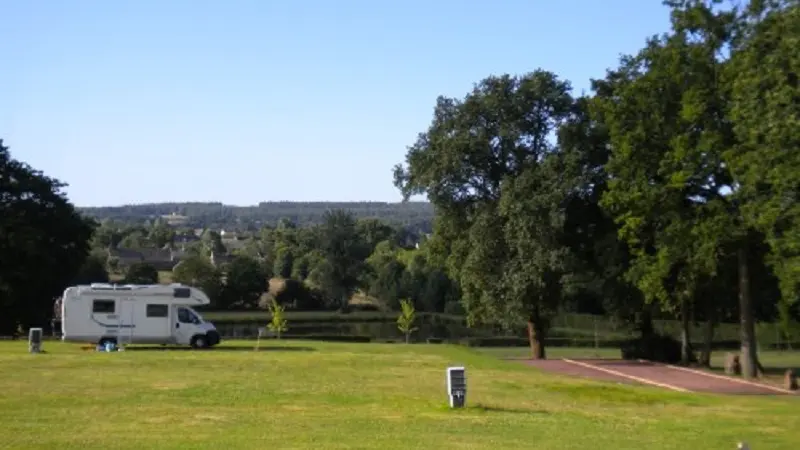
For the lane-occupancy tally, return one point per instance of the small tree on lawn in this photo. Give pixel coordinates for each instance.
(278, 324)
(405, 322)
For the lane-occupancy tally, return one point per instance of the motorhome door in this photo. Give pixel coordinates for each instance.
(184, 325)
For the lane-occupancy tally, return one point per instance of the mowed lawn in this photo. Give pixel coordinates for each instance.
(327, 396)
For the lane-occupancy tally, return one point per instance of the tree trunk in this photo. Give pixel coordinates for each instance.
(646, 327)
(749, 356)
(536, 335)
(708, 339)
(686, 341)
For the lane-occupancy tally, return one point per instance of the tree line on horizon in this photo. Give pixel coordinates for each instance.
(671, 189)
(416, 215)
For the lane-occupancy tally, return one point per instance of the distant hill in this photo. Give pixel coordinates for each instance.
(413, 215)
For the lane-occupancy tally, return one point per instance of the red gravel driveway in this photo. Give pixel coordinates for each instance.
(655, 374)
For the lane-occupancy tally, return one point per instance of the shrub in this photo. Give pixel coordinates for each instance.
(331, 338)
(652, 347)
(405, 322)
(278, 324)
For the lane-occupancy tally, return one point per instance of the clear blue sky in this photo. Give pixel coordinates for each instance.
(245, 101)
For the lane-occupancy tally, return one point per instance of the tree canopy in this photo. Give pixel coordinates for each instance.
(43, 243)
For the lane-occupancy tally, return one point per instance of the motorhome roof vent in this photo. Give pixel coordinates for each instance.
(181, 292)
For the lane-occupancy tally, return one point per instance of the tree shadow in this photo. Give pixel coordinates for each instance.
(481, 408)
(271, 348)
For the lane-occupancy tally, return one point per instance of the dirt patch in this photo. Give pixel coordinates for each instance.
(654, 374)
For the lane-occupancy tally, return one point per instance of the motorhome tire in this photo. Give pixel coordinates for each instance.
(199, 341)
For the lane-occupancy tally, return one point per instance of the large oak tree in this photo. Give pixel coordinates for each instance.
(44, 242)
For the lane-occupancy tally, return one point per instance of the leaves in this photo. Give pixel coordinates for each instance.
(405, 321)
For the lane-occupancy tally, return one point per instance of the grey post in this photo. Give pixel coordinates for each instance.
(457, 386)
(35, 340)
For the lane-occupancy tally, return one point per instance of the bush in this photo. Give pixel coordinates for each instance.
(330, 338)
(652, 347)
(495, 342)
(454, 308)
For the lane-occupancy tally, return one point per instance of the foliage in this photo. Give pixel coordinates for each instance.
(763, 74)
(44, 243)
(278, 324)
(245, 282)
(199, 272)
(141, 273)
(93, 270)
(653, 347)
(405, 322)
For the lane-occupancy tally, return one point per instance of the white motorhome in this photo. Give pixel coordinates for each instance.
(136, 314)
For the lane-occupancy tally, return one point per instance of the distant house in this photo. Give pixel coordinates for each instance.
(185, 238)
(175, 219)
(162, 258)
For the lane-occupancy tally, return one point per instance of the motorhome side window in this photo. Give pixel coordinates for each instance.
(103, 306)
(157, 310)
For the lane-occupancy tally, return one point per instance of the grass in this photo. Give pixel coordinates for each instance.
(324, 395)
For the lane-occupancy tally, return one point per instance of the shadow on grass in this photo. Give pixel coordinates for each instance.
(481, 408)
(499, 409)
(271, 348)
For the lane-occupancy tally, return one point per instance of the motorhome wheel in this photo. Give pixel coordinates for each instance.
(199, 341)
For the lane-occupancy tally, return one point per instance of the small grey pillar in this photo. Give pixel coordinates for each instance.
(35, 340)
(457, 386)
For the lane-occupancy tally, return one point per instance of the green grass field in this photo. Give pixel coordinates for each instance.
(324, 395)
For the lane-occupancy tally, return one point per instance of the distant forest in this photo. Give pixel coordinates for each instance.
(416, 216)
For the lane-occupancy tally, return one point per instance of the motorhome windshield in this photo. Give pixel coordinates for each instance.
(188, 315)
(195, 316)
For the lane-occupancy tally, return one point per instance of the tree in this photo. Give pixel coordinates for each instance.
(244, 284)
(213, 242)
(284, 259)
(764, 71)
(278, 323)
(141, 273)
(405, 321)
(473, 149)
(44, 244)
(93, 270)
(672, 192)
(384, 277)
(538, 259)
(374, 231)
(197, 271)
(338, 275)
(134, 238)
(161, 234)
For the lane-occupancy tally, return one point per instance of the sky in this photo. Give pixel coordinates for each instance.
(236, 101)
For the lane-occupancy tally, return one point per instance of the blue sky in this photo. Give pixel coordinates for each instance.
(246, 101)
